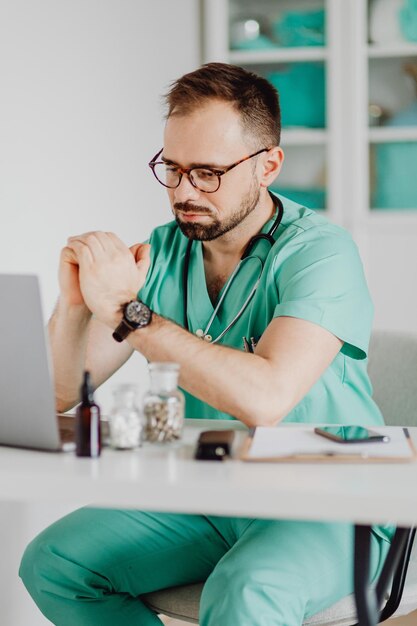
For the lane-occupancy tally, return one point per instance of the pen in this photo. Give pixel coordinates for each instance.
(336, 455)
(246, 345)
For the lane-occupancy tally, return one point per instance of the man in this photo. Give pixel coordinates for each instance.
(310, 318)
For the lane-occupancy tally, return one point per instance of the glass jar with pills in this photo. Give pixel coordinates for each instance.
(163, 404)
(125, 420)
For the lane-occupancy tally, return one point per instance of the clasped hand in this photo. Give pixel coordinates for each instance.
(98, 270)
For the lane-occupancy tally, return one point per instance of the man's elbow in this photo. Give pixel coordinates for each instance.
(62, 405)
(268, 418)
(266, 409)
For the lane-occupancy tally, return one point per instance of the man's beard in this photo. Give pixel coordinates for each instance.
(216, 229)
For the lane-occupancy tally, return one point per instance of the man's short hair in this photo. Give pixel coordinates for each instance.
(252, 96)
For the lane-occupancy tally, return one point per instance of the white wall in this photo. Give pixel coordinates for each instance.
(80, 117)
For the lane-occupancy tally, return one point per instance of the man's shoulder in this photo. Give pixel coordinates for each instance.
(167, 235)
(306, 237)
(308, 224)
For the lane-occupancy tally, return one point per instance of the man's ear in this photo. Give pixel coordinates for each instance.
(271, 163)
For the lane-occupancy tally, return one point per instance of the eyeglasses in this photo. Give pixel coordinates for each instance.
(204, 178)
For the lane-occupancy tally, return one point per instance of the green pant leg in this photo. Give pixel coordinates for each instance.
(278, 573)
(88, 568)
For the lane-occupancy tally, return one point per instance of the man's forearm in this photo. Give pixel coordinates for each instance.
(259, 389)
(68, 334)
(230, 380)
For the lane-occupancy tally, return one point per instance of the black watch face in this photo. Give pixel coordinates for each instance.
(137, 313)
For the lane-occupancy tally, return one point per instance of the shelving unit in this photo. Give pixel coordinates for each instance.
(301, 140)
(358, 72)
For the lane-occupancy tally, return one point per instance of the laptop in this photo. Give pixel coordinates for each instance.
(27, 405)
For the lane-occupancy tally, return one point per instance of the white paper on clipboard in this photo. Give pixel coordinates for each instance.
(285, 442)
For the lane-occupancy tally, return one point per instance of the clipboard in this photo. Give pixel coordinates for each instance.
(288, 444)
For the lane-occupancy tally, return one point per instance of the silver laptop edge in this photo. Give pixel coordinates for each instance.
(27, 405)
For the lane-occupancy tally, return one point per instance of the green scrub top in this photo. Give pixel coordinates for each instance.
(313, 272)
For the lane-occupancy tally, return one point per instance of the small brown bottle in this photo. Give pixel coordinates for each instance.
(87, 422)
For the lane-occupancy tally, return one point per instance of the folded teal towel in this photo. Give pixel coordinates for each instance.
(395, 167)
(301, 87)
(310, 198)
(300, 28)
(262, 42)
(396, 183)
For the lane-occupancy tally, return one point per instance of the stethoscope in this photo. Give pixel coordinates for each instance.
(269, 237)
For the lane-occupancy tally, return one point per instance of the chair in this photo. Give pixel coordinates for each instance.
(393, 372)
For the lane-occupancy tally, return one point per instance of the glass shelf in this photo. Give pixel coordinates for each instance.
(386, 134)
(381, 51)
(278, 55)
(304, 136)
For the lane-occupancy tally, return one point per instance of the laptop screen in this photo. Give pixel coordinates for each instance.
(27, 407)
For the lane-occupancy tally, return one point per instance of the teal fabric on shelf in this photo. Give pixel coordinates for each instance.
(395, 167)
(314, 198)
(301, 87)
(407, 117)
(259, 43)
(408, 20)
(300, 28)
(396, 181)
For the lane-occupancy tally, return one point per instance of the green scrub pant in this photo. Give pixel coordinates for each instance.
(90, 567)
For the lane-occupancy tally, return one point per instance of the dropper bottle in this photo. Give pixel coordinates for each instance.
(87, 422)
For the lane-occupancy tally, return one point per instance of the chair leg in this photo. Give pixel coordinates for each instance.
(398, 583)
(396, 563)
(366, 602)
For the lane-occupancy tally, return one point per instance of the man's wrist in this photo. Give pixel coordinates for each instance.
(75, 312)
(142, 339)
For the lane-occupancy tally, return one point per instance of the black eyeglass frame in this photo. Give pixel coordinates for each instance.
(187, 170)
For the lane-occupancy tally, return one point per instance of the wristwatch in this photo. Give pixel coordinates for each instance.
(135, 315)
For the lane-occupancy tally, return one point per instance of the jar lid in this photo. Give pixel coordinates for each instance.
(164, 367)
(164, 376)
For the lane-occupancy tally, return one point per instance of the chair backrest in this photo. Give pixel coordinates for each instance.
(393, 373)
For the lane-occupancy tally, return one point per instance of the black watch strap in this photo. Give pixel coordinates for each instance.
(136, 314)
(122, 331)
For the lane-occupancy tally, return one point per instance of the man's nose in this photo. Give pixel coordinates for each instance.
(185, 190)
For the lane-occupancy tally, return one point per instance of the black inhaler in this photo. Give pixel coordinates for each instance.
(87, 423)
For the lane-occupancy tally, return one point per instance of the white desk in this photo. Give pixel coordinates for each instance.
(154, 478)
(169, 479)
